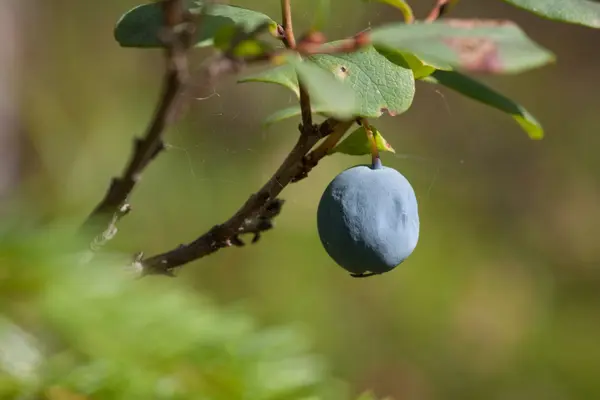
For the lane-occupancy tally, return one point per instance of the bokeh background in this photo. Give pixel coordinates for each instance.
(500, 300)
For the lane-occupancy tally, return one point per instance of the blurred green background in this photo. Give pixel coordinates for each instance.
(500, 300)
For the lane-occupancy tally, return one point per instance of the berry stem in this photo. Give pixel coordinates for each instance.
(376, 161)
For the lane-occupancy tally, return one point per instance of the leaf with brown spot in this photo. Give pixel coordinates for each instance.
(490, 46)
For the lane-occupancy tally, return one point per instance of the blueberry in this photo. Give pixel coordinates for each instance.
(368, 219)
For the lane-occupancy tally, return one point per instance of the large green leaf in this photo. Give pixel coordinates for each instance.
(140, 26)
(468, 45)
(480, 92)
(580, 12)
(379, 85)
(357, 143)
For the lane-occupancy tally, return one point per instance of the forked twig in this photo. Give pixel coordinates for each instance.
(256, 214)
(176, 34)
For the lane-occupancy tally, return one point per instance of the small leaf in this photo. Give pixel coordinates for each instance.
(283, 75)
(281, 115)
(140, 26)
(402, 6)
(478, 91)
(357, 143)
(469, 45)
(327, 92)
(579, 12)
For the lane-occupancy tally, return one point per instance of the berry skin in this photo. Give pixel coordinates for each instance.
(368, 219)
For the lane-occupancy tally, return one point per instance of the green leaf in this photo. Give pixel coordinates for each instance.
(140, 26)
(357, 143)
(402, 6)
(478, 91)
(281, 115)
(579, 12)
(283, 75)
(379, 85)
(468, 45)
(327, 92)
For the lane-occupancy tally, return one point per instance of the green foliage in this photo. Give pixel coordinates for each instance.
(90, 330)
(380, 77)
(358, 144)
(141, 26)
(580, 12)
(480, 92)
(469, 45)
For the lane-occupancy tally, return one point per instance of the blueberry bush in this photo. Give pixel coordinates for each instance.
(76, 324)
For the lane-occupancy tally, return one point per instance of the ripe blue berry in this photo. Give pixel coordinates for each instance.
(368, 219)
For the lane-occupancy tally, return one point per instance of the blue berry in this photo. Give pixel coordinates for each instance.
(368, 219)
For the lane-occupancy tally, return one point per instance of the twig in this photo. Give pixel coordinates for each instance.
(438, 11)
(223, 235)
(288, 29)
(306, 127)
(177, 35)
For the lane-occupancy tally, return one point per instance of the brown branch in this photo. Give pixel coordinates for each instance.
(256, 207)
(177, 40)
(438, 11)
